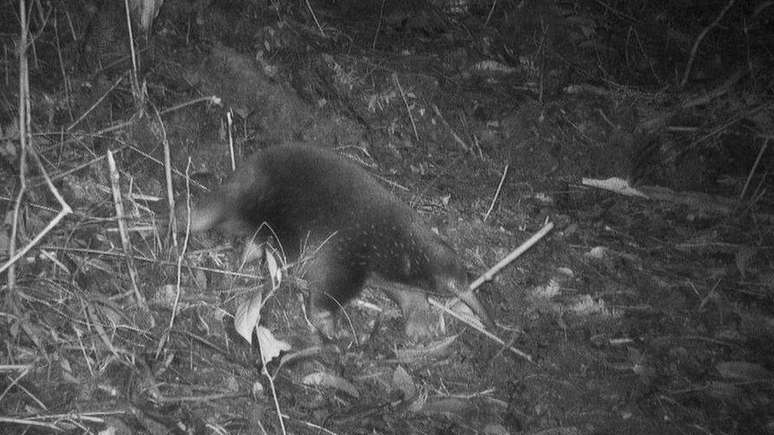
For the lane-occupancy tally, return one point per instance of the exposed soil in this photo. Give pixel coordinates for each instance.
(647, 310)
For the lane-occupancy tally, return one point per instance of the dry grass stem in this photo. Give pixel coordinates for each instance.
(230, 125)
(497, 193)
(754, 168)
(405, 103)
(316, 22)
(697, 42)
(126, 244)
(96, 103)
(454, 134)
(168, 181)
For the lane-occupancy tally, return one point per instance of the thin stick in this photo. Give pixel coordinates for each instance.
(699, 38)
(94, 106)
(405, 102)
(489, 274)
(135, 78)
(311, 11)
(54, 222)
(180, 257)
(484, 332)
(62, 69)
(451, 131)
(211, 99)
(81, 166)
(230, 122)
(27, 422)
(312, 425)
(497, 193)
(25, 370)
(486, 277)
(24, 129)
(152, 260)
(125, 242)
(7, 74)
(378, 26)
(265, 372)
(24, 125)
(175, 171)
(754, 167)
(489, 15)
(168, 179)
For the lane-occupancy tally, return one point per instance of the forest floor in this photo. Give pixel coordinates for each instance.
(647, 308)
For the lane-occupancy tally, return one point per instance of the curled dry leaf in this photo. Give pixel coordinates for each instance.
(275, 272)
(435, 350)
(252, 252)
(270, 346)
(321, 379)
(461, 309)
(247, 316)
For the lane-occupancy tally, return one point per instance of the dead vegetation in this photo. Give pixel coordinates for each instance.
(641, 130)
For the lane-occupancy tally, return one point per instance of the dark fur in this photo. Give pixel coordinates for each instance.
(310, 196)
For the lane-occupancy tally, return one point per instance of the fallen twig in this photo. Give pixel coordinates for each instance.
(378, 26)
(457, 139)
(97, 252)
(700, 38)
(125, 242)
(180, 257)
(489, 274)
(754, 167)
(319, 27)
(138, 96)
(65, 210)
(405, 103)
(168, 180)
(94, 106)
(478, 328)
(497, 193)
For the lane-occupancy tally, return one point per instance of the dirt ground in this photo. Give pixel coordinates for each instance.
(640, 130)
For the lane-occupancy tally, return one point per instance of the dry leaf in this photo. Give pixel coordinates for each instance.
(331, 381)
(145, 11)
(164, 296)
(435, 350)
(248, 315)
(402, 381)
(463, 310)
(275, 272)
(270, 346)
